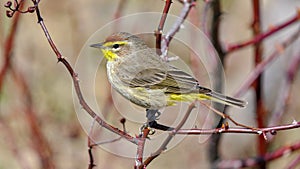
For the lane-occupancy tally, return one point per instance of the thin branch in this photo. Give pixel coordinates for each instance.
(8, 46)
(260, 37)
(259, 131)
(213, 149)
(205, 13)
(159, 31)
(255, 161)
(225, 116)
(187, 5)
(169, 138)
(258, 50)
(263, 65)
(285, 92)
(39, 141)
(140, 149)
(294, 163)
(11, 141)
(75, 79)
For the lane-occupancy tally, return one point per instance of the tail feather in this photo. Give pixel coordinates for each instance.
(220, 98)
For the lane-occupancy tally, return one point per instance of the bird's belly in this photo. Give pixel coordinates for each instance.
(141, 96)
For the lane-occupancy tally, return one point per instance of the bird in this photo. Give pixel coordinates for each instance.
(140, 75)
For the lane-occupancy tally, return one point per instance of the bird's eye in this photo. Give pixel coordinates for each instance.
(116, 46)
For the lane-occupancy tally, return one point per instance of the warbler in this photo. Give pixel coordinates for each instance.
(140, 75)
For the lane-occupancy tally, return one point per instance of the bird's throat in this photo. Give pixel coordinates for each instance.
(109, 55)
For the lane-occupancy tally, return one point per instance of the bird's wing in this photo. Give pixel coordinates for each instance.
(146, 78)
(138, 71)
(178, 81)
(172, 80)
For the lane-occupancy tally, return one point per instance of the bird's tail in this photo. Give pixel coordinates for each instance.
(220, 98)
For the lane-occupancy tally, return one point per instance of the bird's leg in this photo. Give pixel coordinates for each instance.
(152, 116)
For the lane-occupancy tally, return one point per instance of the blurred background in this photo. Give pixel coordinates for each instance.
(40, 89)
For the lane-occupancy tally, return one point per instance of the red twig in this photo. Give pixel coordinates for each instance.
(255, 161)
(159, 31)
(140, 149)
(260, 37)
(8, 134)
(8, 46)
(260, 110)
(293, 164)
(39, 141)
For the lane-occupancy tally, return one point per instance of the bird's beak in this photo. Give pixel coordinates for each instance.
(97, 45)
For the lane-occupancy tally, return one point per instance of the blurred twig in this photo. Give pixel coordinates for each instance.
(213, 148)
(285, 92)
(8, 45)
(261, 36)
(39, 142)
(11, 140)
(255, 161)
(257, 84)
(294, 163)
(263, 64)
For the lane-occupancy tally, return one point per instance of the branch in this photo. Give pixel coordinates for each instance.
(260, 37)
(285, 92)
(187, 5)
(75, 79)
(255, 161)
(169, 138)
(263, 65)
(8, 44)
(258, 50)
(140, 149)
(159, 31)
(259, 131)
(39, 141)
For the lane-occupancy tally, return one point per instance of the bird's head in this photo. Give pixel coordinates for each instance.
(119, 45)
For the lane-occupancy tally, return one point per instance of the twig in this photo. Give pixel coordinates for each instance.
(225, 116)
(91, 143)
(39, 141)
(294, 163)
(257, 85)
(187, 5)
(205, 13)
(263, 65)
(260, 37)
(169, 138)
(140, 149)
(159, 31)
(255, 161)
(8, 45)
(213, 149)
(259, 131)
(285, 92)
(75, 79)
(11, 140)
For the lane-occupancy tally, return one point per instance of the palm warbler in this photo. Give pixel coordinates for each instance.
(141, 76)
